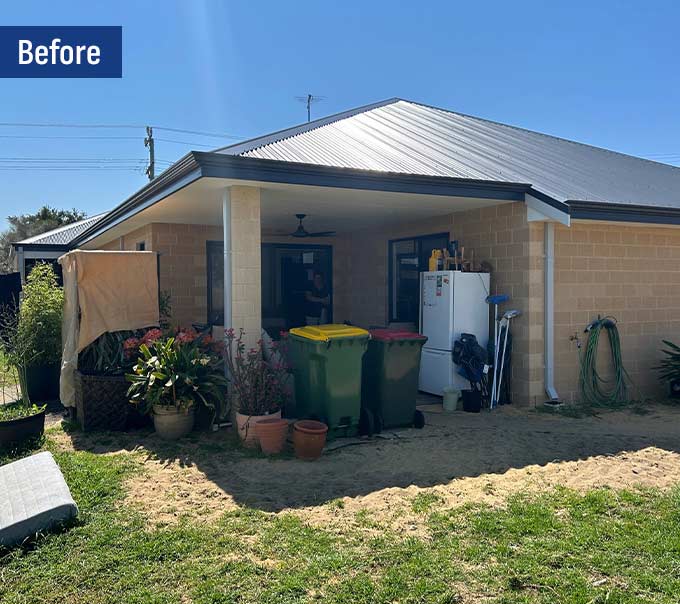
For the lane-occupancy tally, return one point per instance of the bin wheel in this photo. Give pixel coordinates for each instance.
(418, 419)
(366, 422)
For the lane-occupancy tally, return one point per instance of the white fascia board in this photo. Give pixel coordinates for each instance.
(540, 211)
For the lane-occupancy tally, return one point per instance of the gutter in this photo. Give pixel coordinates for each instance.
(174, 178)
(623, 212)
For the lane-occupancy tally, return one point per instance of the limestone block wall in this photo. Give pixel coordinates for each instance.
(629, 272)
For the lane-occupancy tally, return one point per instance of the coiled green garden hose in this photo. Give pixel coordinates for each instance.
(596, 390)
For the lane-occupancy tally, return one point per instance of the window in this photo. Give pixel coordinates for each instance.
(408, 258)
(140, 246)
(215, 261)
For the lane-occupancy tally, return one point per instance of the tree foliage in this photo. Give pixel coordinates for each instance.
(40, 315)
(23, 226)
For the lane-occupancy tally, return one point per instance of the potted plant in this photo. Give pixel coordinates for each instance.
(669, 368)
(258, 387)
(40, 315)
(20, 420)
(175, 375)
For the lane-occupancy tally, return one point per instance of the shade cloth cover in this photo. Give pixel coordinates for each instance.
(103, 291)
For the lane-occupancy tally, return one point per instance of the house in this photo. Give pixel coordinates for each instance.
(47, 247)
(571, 231)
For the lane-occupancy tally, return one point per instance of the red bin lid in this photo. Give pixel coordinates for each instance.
(394, 335)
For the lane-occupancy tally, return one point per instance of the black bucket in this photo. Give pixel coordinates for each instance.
(472, 401)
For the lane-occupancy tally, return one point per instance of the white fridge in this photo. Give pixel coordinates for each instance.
(451, 303)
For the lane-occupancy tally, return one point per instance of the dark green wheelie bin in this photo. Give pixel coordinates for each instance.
(326, 363)
(390, 379)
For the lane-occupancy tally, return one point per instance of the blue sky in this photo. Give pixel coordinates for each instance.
(604, 73)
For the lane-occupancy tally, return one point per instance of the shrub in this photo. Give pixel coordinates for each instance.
(258, 386)
(18, 355)
(177, 372)
(40, 315)
(669, 367)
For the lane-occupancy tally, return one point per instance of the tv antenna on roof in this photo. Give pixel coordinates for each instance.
(308, 99)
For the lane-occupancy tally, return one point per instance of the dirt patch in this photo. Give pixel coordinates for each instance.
(395, 482)
(169, 491)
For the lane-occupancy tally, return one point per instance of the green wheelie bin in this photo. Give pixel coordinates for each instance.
(390, 380)
(326, 363)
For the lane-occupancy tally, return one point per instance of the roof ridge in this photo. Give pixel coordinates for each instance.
(522, 129)
(266, 139)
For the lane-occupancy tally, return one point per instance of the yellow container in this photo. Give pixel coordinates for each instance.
(325, 333)
(432, 264)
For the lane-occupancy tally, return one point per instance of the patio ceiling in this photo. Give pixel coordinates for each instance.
(328, 208)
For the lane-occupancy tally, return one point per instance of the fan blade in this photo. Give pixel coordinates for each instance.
(322, 234)
(299, 233)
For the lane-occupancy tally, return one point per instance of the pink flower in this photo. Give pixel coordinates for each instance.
(186, 336)
(130, 346)
(152, 335)
(230, 333)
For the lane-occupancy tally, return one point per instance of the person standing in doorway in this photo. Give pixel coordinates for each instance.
(317, 301)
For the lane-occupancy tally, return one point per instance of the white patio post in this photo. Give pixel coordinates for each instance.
(226, 244)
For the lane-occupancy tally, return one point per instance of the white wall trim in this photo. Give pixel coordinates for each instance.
(539, 211)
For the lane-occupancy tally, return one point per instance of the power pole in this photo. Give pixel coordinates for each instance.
(309, 108)
(148, 142)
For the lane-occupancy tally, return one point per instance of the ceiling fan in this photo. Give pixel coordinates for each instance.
(302, 232)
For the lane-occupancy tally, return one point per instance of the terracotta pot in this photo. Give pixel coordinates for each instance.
(245, 424)
(309, 439)
(272, 433)
(172, 423)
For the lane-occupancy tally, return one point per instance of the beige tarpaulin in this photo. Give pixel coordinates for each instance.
(103, 291)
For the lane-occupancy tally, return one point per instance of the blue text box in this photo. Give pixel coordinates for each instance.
(61, 52)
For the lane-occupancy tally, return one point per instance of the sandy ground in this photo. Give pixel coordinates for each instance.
(457, 458)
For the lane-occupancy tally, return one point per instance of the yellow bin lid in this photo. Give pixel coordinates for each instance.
(324, 333)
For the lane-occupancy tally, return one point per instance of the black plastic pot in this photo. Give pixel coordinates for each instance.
(472, 401)
(42, 383)
(15, 432)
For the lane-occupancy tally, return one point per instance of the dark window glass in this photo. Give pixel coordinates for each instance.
(408, 258)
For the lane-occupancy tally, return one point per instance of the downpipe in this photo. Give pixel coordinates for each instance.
(549, 310)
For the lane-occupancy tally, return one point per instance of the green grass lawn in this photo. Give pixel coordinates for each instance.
(602, 547)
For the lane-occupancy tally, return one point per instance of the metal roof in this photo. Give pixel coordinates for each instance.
(64, 234)
(401, 136)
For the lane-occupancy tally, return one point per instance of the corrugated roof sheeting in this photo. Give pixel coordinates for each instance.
(405, 137)
(63, 235)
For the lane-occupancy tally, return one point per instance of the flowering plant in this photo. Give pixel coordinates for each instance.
(258, 385)
(177, 373)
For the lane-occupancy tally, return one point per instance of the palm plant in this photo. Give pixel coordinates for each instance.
(669, 367)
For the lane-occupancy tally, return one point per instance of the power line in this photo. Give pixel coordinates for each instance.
(199, 133)
(167, 140)
(125, 126)
(49, 137)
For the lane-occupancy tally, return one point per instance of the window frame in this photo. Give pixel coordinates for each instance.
(417, 240)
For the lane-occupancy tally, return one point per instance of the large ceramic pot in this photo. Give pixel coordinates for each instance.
(42, 383)
(309, 439)
(245, 424)
(172, 423)
(272, 433)
(15, 432)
